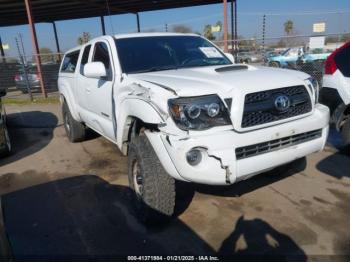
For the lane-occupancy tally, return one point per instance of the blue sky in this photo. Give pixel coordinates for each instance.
(304, 13)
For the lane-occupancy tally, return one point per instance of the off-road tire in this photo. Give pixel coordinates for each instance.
(6, 149)
(75, 130)
(274, 64)
(157, 201)
(345, 132)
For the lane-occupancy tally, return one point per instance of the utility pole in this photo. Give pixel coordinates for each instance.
(24, 52)
(24, 68)
(236, 32)
(263, 32)
(233, 43)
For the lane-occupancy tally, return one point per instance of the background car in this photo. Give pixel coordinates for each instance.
(249, 57)
(269, 54)
(5, 144)
(33, 80)
(292, 55)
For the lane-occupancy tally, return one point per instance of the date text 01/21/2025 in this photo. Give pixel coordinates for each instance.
(173, 258)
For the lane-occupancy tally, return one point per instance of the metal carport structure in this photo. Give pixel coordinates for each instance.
(19, 12)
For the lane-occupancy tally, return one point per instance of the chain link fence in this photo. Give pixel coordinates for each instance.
(20, 77)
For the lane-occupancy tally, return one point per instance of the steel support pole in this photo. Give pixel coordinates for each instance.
(103, 25)
(35, 45)
(138, 22)
(225, 27)
(56, 40)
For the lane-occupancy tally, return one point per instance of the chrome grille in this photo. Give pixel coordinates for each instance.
(277, 144)
(259, 107)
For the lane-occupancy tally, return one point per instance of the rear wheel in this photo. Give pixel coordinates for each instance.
(6, 150)
(274, 64)
(75, 130)
(154, 188)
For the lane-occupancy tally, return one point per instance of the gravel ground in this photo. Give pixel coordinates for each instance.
(62, 199)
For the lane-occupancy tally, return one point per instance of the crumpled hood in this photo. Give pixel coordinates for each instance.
(205, 80)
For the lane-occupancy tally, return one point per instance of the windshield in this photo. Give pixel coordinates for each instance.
(156, 53)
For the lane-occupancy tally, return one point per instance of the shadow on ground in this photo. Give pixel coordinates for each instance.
(336, 165)
(255, 183)
(29, 133)
(87, 217)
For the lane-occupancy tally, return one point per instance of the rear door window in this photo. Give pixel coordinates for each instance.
(70, 62)
(342, 60)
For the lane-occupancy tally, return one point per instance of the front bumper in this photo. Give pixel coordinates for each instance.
(220, 166)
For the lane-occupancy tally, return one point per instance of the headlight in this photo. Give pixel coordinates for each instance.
(199, 113)
(314, 88)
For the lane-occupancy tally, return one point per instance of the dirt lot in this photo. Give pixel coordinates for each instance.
(60, 198)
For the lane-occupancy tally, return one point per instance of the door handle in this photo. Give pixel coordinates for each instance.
(88, 90)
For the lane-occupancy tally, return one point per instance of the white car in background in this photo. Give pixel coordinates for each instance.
(335, 92)
(182, 110)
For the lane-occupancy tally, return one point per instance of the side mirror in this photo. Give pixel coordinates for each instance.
(230, 57)
(95, 70)
(3, 92)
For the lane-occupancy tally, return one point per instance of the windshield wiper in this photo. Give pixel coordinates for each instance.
(155, 68)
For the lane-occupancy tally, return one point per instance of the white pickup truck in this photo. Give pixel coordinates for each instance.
(181, 109)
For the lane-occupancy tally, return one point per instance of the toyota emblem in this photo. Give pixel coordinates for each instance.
(282, 103)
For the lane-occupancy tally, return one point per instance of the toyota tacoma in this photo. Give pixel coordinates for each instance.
(181, 109)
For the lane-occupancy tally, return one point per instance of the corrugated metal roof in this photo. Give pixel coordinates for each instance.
(13, 12)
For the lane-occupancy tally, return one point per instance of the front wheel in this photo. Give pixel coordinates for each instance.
(154, 188)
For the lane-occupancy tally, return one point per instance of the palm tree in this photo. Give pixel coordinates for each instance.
(289, 27)
(208, 33)
(84, 38)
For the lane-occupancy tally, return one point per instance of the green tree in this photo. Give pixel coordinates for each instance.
(182, 29)
(219, 23)
(345, 37)
(332, 39)
(84, 38)
(289, 27)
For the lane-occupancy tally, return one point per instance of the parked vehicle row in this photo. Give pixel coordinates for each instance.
(182, 110)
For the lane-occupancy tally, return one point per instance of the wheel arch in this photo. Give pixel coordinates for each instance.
(136, 115)
(66, 95)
